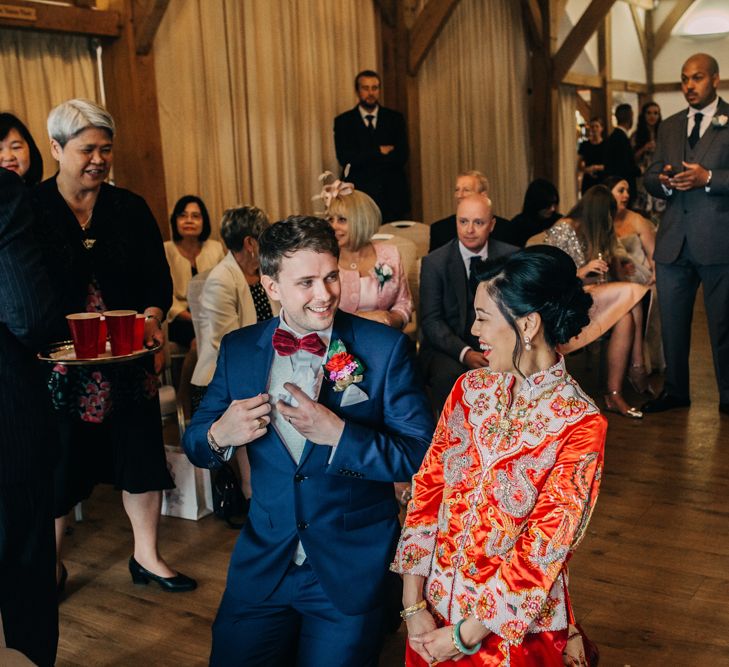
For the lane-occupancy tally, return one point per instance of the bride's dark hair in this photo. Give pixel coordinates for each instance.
(539, 279)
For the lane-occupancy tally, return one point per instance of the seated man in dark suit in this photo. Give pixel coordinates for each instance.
(619, 155)
(448, 348)
(373, 141)
(467, 183)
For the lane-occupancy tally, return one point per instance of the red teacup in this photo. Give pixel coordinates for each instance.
(139, 332)
(120, 324)
(85, 333)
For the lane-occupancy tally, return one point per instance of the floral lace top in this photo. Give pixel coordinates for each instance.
(503, 497)
(89, 392)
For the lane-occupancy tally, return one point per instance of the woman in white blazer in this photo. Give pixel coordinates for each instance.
(188, 253)
(232, 296)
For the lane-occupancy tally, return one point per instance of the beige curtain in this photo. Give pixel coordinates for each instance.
(567, 166)
(39, 71)
(473, 106)
(248, 91)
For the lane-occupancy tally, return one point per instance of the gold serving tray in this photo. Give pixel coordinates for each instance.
(64, 354)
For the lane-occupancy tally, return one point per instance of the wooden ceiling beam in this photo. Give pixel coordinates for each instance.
(534, 20)
(582, 80)
(59, 18)
(579, 36)
(147, 17)
(628, 86)
(667, 87)
(663, 34)
(640, 31)
(426, 29)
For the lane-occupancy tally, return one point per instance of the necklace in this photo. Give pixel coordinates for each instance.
(88, 243)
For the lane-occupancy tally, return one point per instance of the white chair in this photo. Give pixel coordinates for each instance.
(417, 232)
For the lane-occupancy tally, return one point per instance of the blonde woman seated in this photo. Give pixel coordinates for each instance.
(231, 298)
(638, 236)
(586, 234)
(374, 284)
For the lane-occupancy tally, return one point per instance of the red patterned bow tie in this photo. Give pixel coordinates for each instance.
(286, 343)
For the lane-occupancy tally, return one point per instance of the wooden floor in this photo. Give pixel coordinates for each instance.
(650, 582)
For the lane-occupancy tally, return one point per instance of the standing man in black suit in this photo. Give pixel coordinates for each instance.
(691, 171)
(28, 601)
(373, 141)
(619, 155)
(448, 348)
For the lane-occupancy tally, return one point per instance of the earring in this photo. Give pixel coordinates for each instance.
(527, 343)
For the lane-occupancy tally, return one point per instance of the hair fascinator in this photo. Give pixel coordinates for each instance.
(337, 188)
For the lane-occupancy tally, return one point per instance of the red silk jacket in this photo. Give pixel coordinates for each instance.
(501, 500)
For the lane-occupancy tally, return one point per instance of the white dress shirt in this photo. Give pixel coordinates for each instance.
(708, 113)
(466, 255)
(365, 112)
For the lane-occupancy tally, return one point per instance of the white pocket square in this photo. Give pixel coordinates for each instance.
(353, 395)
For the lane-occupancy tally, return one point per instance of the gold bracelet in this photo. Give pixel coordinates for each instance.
(412, 610)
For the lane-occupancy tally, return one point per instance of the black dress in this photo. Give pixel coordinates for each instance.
(109, 415)
(591, 154)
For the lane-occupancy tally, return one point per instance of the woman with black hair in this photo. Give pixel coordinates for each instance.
(18, 151)
(506, 490)
(538, 214)
(644, 145)
(190, 252)
(587, 234)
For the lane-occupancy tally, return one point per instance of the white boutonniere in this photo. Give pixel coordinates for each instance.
(383, 273)
(720, 121)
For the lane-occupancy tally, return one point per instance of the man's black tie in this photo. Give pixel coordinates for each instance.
(696, 130)
(475, 262)
(370, 122)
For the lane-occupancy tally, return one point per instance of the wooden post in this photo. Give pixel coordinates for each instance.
(131, 97)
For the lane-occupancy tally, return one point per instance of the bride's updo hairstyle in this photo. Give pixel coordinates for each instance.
(539, 279)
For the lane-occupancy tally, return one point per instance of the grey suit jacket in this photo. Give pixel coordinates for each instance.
(700, 218)
(444, 294)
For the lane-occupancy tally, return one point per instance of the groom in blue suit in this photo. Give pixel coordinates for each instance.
(307, 579)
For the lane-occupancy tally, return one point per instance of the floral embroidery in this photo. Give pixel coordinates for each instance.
(486, 607)
(570, 407)
(513, 631)
(436, 592)
(465, 604)
(94, 404)
(547, 613)
(532, 605)
(412, 555)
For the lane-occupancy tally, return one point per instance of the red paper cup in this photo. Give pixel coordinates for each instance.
(85, 333)
(102, 335)
(120, 324)
(139, 332)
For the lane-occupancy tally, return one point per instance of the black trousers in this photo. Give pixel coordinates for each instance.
(28, 598)
(677, 284)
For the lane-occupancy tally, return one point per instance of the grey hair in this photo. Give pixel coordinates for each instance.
(72, 117)
(483, 182)
(242, 221)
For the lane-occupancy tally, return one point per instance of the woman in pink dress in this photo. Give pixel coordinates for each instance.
(374, 284)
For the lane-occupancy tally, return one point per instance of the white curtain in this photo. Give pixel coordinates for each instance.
(248, 91)
(39, 71)
(473, 107)
(567, 166)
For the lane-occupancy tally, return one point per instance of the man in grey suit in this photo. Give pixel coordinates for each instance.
(691, 171)
(448, 348)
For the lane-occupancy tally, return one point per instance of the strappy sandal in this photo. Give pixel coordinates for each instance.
(613, 405)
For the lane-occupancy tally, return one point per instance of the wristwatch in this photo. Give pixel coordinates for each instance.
(707, 185)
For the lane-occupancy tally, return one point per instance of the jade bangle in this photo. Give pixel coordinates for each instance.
(458, 643)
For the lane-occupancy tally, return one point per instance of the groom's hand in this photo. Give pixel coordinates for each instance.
(314, 421)
(244, 420)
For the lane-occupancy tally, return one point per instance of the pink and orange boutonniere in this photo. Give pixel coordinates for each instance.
(342, 368)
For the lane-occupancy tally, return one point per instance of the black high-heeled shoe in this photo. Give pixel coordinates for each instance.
(177, 584)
